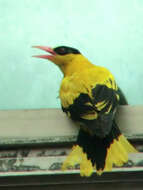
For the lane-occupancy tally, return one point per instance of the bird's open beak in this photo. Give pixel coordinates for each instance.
(47, 49)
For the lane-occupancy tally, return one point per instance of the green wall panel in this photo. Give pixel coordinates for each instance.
(109, 33)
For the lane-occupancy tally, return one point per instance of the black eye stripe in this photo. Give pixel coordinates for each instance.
(63, 50)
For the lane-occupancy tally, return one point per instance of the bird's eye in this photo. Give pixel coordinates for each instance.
(62, 51)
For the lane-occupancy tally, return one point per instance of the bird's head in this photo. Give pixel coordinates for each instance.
(59, 55)
(67, 58)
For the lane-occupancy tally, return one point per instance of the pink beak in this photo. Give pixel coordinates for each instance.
(47, 49)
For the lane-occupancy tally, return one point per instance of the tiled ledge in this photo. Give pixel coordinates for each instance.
(35, 142)
(43, 126)
(109, 181)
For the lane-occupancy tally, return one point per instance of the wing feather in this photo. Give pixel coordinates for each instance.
(92, 104)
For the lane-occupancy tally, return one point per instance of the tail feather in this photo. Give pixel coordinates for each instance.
(100, 153)
(97, 148)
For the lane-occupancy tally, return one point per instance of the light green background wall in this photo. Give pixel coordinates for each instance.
(109, 33)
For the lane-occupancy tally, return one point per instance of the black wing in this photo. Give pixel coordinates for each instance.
(95, 114)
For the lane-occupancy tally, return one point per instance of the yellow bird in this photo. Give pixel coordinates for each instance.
(90, 97)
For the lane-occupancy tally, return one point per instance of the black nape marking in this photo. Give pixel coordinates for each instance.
(63, 50)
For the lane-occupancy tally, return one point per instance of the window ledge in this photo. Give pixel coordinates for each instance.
(35, 142)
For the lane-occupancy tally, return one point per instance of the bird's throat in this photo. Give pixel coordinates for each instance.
(75, 66)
